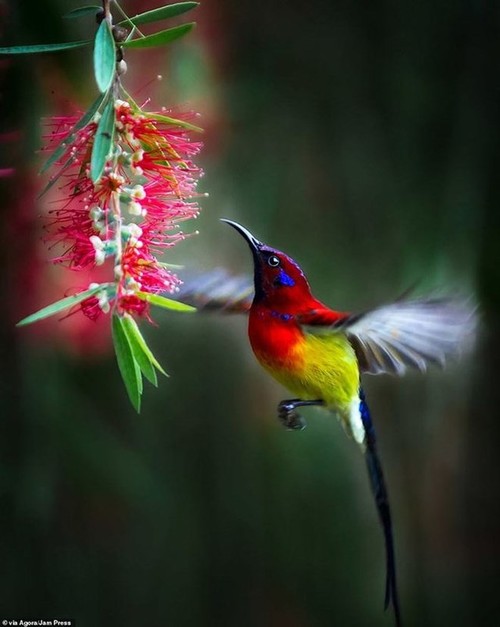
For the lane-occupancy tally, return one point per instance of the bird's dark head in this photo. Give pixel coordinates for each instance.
(278, 278)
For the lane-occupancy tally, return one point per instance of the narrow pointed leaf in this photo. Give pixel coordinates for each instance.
(163, 13)
(146, 366)
(91, 8)
(174, 121)
(170, 266)
(143, 362)
(103, 141)
(165, 303)
(43, 47)
(89, 114)
(61, 148)
(61, 305)
(104, 57)
(140, 350)
(57, 175)
(64, 143)
(160, 38)
(127, 364)
(138, 341)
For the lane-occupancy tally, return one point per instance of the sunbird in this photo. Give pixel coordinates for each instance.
(320, 354)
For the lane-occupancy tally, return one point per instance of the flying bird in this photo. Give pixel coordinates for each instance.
(319, 354)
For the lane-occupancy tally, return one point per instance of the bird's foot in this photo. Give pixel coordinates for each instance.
(289, 416)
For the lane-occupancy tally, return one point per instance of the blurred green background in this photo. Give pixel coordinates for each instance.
(363, 139)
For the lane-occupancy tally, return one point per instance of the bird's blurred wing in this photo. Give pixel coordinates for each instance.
(217, 290)
(409, 334)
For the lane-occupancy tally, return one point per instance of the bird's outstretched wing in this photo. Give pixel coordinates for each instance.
(389, 339)
(217, 290)
(407, 334)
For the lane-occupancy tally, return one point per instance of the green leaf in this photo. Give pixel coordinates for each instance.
(160, 38)
(170, 266)
(143, 362)
(174, 121)
(134, 329)
(142, 353)
(91, 8)
(61, 305)
(146, 366)
(104, 57)
(163, 13)
(43, 47)
(66, 141)
(62, 147)
(103, 141)
(129, 368)
(91, 111)
(165, 303)
(57, 175)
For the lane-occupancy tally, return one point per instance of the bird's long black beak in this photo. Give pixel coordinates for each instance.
(252, 241)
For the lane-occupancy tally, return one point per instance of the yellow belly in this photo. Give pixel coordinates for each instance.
(319, 367)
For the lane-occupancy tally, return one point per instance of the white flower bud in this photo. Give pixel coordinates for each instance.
(138, 192)
(138, 155)
(121, 103)
(96, 213)
(98, 246)
(104, 302)
(96, 242)
(134, 208)
(135, 230)
(121, 67)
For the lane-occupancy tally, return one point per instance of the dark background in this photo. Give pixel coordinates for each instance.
(362, 138)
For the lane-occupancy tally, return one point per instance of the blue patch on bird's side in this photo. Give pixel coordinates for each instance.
(281, 316)
(284, 279)
(365, 414)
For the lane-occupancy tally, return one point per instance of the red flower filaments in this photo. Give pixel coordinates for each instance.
(132, 213)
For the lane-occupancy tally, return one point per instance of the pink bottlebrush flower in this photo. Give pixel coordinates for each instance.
(142, 273)
(126, 180)
(132, 213)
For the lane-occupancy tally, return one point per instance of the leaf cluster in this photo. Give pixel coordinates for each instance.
(136, 40)
(134, 357)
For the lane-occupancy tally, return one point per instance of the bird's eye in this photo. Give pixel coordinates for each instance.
(273, 261)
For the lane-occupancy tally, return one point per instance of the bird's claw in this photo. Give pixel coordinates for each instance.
(290, 418)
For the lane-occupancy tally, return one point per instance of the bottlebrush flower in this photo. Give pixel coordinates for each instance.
(133, 211)
(128, 180)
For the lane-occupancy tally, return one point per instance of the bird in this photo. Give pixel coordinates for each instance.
(320, 354)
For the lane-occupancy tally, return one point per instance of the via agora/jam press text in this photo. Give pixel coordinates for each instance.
(22, 622)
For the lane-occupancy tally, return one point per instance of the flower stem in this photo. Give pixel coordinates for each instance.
(106, 7)
(117, 224)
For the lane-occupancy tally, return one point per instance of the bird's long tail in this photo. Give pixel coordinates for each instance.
(382, 500)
